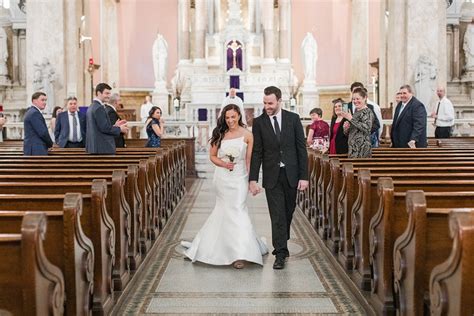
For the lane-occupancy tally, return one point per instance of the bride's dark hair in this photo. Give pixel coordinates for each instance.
(221, 128)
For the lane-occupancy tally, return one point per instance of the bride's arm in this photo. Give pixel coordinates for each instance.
(217, 161)
(248, 157)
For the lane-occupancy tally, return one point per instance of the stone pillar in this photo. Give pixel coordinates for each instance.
(217, 16)
(183, 30)
(76, 61)
(44, 47)
(268, 30)
(258, 23)
(383, 97)
(210, 17)
(395, 52)
(199, 31)
(360, 41)
(251, 16)
(456, 63)
(109, 39)
(285, 26)
(450, 48)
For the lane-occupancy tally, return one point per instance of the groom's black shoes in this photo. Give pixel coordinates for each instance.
(279, 263)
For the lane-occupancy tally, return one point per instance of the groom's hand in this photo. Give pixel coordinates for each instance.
(254, 188)
(303, 185)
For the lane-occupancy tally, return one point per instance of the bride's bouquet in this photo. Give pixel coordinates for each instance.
(231, 153)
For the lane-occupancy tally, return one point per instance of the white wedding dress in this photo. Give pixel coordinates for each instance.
(228, 234)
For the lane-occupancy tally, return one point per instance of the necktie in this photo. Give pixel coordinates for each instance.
(74, 128)
(277, 128)
(437, 110)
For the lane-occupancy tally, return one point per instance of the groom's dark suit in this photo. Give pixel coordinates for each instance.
(280, 183)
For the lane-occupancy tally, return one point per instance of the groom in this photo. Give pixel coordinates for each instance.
(280, 147)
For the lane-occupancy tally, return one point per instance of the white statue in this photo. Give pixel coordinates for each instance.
(468, 47)
(160, 58)
(309, 51)
(425, 80)
(43, 80)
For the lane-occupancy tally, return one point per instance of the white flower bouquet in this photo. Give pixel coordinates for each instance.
(231, 153)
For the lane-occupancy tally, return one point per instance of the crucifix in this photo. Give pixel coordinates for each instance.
(234, 46)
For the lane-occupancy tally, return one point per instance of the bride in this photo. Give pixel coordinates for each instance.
(228, 236)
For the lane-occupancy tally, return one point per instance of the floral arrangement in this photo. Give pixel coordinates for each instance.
(231, 153)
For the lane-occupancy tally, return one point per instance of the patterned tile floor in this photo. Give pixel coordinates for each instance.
(167, 284)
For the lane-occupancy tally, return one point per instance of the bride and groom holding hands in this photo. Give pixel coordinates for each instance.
(277, 144)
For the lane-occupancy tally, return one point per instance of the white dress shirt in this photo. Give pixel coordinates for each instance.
(445, 113)
(71, 131)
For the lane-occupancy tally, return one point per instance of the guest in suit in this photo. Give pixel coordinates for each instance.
(409, 122)
(70, 129)
(111, 109)
(337, 138)
(37, 139)
(282, 154)
(100, 136)
(154, 127)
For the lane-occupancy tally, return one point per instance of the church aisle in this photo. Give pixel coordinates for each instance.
(169, 284)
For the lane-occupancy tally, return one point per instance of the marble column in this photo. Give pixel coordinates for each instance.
(251, 16)
(210, 17)
(285, 26)
(183, 31)
(109, 39)
(258, 25)
(75, 59)
(395, 52)
(449, 41)
(199, 31)
(268, 30)
(456, 68)
(384, 101)
(360, 41)
(46, 47)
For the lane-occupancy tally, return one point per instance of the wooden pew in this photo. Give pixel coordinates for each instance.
(390, 222)
(29, 283)
(98, 226)
(116, 206)
(424, 244)
(451, 281)
(66, 246)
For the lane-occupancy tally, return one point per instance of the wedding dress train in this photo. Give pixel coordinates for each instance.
(228, 234)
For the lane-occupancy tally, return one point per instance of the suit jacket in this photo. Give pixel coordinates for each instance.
(100, 133)
(37, 139)
(61, 132)
(409, 125)
(113, 116)
(342, 146)
(268, 152)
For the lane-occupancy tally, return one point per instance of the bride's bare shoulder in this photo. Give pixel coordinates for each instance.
(247, 134)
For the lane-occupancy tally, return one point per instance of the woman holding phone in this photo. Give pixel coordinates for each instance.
(358, 126)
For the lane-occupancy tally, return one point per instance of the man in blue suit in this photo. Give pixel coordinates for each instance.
(70, 131)
(37, 139)
(409, 122)
(100, 136)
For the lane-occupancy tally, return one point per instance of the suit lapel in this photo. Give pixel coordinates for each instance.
(66, 123)
(285, 123)
(268, 125)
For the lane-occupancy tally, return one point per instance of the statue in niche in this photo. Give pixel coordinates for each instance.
(160, 58)
(43, 80)
(468, 46)
(3, 56)
(309, 50)
(425, 80)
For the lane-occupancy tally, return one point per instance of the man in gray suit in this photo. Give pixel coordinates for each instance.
(100, 138)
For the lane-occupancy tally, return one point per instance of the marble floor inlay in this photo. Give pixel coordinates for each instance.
(168, 284)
